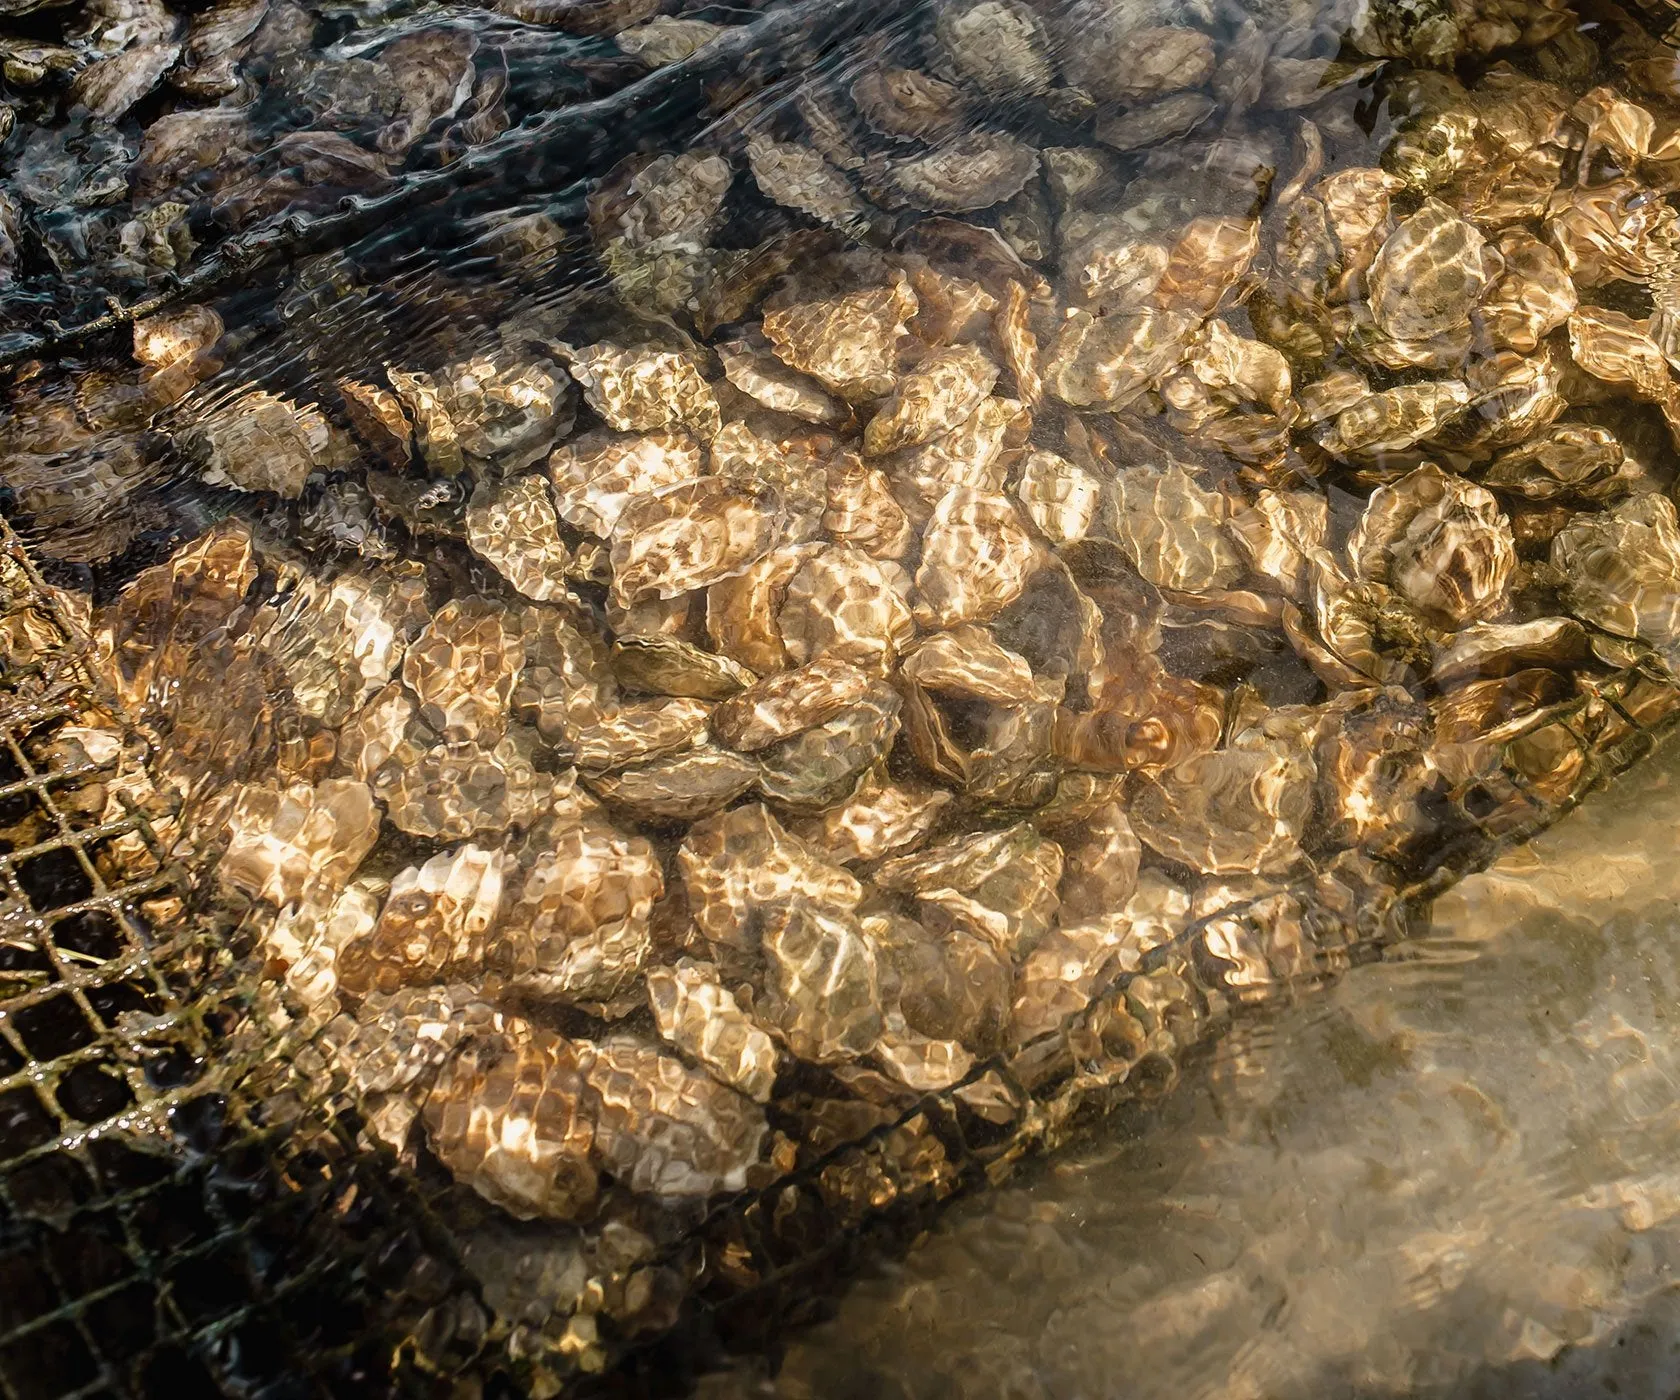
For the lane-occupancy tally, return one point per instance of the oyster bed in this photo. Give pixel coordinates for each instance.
(1048, 528)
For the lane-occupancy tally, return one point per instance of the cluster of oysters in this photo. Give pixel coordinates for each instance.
(954, 611)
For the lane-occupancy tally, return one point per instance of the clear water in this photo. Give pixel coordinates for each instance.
(1454, 1173)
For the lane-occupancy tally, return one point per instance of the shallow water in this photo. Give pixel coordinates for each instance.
(1454, 1173)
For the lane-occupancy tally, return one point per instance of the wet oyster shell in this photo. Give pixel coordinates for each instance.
(781, 706)
(462, 669)
(1173, 530)
(1616, 348)
(262, 442)
(397, 1041)
(286, 842)
(513, 527)
(941, 393)
(1276, 533)
(822, 766)
(880, 818)
(668, 1131)
(796, 177)
(970, 455)
(680, 787)
(659, 665)
(1376, 770)
(690, 536)
(1430, 274)
(977, 555)
(860, 510)
(667, 39)
(1531, 298)
(509, 1117)
(1236, 811)
(1100, 865)
(742, 614)
(1570, 461)
(907, 103)
(700, 1016)
(639, 390)
(1107, 363)
(1061, 499)
(1498, 648)
(949, 987)
(761, 376)
(434, 926)
(1395, 419)
(840, 602)
(1621, 569)
(973, 171)
(997, 45)
(1153, 123)
(1118, 60)
(822, 994)
(848, 343)
(1441, 542)
(1211, 256)
(740, 865)
(638, 730)
(578, 930)
(454, 789)
(596, 476)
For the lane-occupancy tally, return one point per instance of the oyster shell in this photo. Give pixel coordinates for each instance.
(848, 343)
(1395, 419)
(976, 558)
(907, 103)
(880, 818)
(514, 528)
(462, 667)
(1108, 363)
(1211, 256)
(1122, 61)
(972, 171)
(1430, 274)
(639, 730)
(700, 1016)
(997, 45)
(764, 378)
(285, 843)
(1620, 350)
(948, 987)
(1441, 542)
(578, 929)
(1154, 123)
(262, 442)
(399, 1041)
(434, 926)
(822, 765)
(679, 787)
(796, 177)
(667, 39)
(1376, 770)
(970, 455)
(1061, 499)
(1173, 530)
(1570, 461)
(839, 602)
(822, 995)
(1531, 298)
(940, 394)
(861, 510)
(690, 536)
(639, 390)
(781, 706)
(596, 476)
(660, 665)
(1621, 569)
(666, 1130)
(451, 790)
(510, 1118)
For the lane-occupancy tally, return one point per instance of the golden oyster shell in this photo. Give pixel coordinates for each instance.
(976, 558)
(762, 377)
(905, 102)
(1604, 232)
(641, 389)
(916, 1061)
(637, 730)
(434, 926)
(997, 45)
(1131, 63)
(700, 1016)
(1531, 298)
(596, 476)
(822, 994)
(668, 197)
(1512, 397)
(950, 987)
(860, 509)
(822, 765)
(1430, 274)
(797, 177)
(1618, 349)
(679, 787)
(690, 536)
(1276, 533)
(512, 526)
(970, 455)
(1173, 530)
(1100, 865)
(1061, 499)
(840, 602)
(306, 938)
(378, 419)
(667, 39)
(948, 308)
(462, 669)
(1152, 123)
(453, 789)
(286, 842)
(1375, 769)
(509, 1116)
(1018, 344)
(880, 818)
(567, 683)
(400, 1040)
(1441, 542)
(1115, 269)
(741, 864)
(1395, 419)
(940, 394)
(783, 705)
(262, 442)
(1236, 811)
(665, 1130)
(1621, 569)
(999, 886)
(1212, 255)
(578, 929)
(1569, 461)
(742, 613)
(1498, 648)
(972, 171)
(434, 426)
(848, 343)
(1109, 362)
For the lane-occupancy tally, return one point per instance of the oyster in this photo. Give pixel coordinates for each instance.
(509, 1117)
(976, 558)
(679, 787)
(690, 536)
(822, 765)
(822, 994)
(578, 928)
(861, 510)
(1441, 542)
(399, 1041)
(1430, 274)
(1236, 811)
(1172, 530)
(759, 375)
(462, 669)
(596, 476)
(849, 343)
(1395, 419)
(1376, 772)
(1570, 461)
(907, 103)
(973, 171)
(880, 818)
(941, 393)
(1531, 298)
(666, 1130)
(787, 704)
(700, 1016)
(1100, 868)
(839, 602)
(451, 790)
(513, 527)
(998, 45)
(1618, 349)
(970, 455)
(798, 178)
(949, 987)
(638, 730)
(1621, 569)
(640, 390)
(1153, 123)
(666, 39)
(1107, 363)
(1061, 499)
(262, 442)
(1210, 258)
(1122, 61)
(661, 665)
(434, 927)
(285, 843)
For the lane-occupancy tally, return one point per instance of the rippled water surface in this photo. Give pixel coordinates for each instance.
(1453, 1174)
